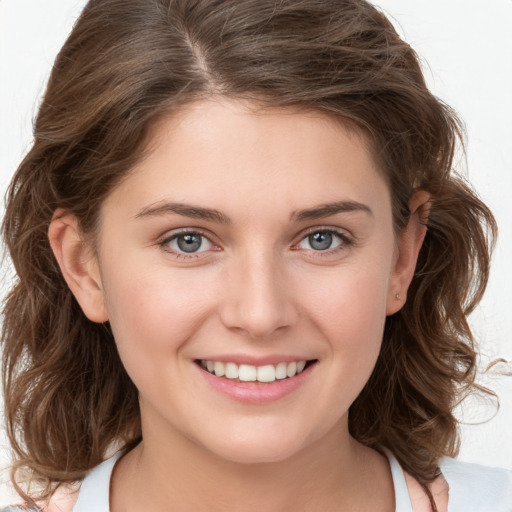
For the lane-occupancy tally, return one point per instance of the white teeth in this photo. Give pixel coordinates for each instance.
(219, 369)
(266, 373)
(291, 370)
(250, 373)
(231, 371)
(247, 373)
(281, 371)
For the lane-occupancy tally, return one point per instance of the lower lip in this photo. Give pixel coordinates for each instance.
(256, 392)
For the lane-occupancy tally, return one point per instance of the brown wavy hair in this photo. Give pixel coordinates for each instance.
(128, 63)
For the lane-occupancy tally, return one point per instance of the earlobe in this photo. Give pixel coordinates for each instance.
(78, 265)
(408, 248)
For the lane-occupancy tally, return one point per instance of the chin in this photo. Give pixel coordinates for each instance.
(258, 450)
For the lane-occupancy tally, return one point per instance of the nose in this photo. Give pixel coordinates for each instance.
(257, 299)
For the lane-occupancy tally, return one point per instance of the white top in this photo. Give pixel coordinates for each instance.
(472, 488)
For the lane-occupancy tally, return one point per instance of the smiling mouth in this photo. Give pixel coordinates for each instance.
(248, 373)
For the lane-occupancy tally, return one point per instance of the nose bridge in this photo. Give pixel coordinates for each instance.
(257, 301)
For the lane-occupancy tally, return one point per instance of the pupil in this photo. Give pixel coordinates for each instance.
(189, 243)
(320, 241)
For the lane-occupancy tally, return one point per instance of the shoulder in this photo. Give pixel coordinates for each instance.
(62, 500)
(20, 508)
(477, 488)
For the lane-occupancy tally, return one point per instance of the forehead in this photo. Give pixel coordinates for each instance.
(234, 153)
(247, 121)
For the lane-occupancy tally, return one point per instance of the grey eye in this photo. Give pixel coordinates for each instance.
(320, 241)
(190, 242)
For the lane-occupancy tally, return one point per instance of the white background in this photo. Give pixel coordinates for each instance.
(467, 45)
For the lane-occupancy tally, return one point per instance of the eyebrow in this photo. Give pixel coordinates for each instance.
(186, 210)
(326, 210)
(210, 214)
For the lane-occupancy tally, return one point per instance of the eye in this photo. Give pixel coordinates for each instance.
(189, 242)
(322, 240)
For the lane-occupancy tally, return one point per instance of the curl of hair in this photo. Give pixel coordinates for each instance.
(127, 64)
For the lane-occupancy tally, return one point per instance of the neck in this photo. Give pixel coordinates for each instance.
(335, 473)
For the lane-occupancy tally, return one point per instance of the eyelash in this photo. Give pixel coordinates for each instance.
(345, 242)
(164, 244)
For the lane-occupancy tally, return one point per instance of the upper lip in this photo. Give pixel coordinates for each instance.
(255, 360)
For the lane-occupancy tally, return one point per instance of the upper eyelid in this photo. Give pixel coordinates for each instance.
(208, 234)
(171, 234)
(164, 242)
(346, 241)
(344, 233)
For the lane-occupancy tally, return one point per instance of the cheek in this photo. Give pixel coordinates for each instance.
(349, 310)
(153, 311)
(153, 315)
(350, 299)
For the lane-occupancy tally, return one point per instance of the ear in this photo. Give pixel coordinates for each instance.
(78, 265)
(408, 247)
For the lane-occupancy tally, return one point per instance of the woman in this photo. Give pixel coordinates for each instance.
(231, 237)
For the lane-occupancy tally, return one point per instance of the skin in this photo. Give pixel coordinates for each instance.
(257, 286)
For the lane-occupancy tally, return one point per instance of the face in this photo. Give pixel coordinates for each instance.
(249, 245)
